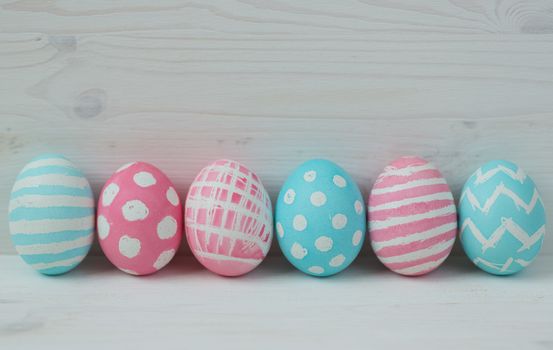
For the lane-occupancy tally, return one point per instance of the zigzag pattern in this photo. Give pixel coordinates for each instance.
(501, 189)
(518, 175)
(507, 225)
(502, 267)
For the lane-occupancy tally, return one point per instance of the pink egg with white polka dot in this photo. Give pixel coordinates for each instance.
(139, 219)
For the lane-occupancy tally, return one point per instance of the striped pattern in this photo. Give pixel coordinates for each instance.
(51, 214)
(502, 218)
(228, 218)
(412, 217)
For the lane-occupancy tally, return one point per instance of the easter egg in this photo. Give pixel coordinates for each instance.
(228, 218)
(320, 218)
(502, 218)
(139, 219)
(51, 214)
(412, 217)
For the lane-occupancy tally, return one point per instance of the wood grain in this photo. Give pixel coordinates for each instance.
(274, 83)
(276, 307)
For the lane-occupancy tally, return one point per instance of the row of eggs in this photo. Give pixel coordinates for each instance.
(320, 217)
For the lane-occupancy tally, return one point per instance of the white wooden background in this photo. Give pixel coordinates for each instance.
(274, 83)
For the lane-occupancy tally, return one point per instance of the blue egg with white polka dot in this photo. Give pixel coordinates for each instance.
(320, 218)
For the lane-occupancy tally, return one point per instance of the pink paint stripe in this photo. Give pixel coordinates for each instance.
(388, 181)
(409, 209)
(417, 245)
(377, 199)
(388, 233)
(403, 265)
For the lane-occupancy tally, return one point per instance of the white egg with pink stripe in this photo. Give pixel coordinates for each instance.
(412, 217)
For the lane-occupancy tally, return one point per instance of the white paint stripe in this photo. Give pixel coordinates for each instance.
(67, 262)
(54, 248)
(523, 262)
(422, 267)
(239, 210)
(401, 220)
(507, 264)
(419, 236)
(51, 225)
(258, 219)
(407, 201)
(508, 225)
(518, 175)
(232, 234)
(48, 162)
(491, 265)
(500, 267)
(230, 188)
(408, 185)
(220, 257)
(208, 203)
(45, 201)
(419, 254)
(407, 171)
(51, 180)
(500, 191)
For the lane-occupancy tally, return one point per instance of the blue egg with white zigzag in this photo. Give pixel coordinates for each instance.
(502, 218)
(320, 218)
(51, 214)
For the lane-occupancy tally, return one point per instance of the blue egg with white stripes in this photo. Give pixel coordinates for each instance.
(51, 214)
(320, 218)
(502, 218)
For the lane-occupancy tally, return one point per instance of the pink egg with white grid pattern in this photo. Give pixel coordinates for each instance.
(412, 217)
(139, 219)
(228, 218)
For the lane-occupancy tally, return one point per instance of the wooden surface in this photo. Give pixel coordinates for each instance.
(275, 307)
(274, 83)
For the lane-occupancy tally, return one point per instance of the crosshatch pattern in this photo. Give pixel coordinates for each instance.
(228, 218)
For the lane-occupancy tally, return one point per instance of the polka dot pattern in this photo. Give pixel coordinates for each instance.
(316, 270)
(109, 193)
(172, 196)
(135, 210)
(139, 219)
(229, 221)
(289, 196)
(322, 229)
(280, 229)
(339, 221)
(144, 179)
(103, 227)
(164, 258)
(300, 223)
(167, 227)
(323, 243)
(318, 198)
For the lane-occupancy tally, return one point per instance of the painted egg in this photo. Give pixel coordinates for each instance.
(51, 214)
(412, 217)
(139, 219)
(320, 218)
(502, 218)
(228, 218)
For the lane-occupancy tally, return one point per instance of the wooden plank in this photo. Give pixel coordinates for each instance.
(272, 84)
(275, 307)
